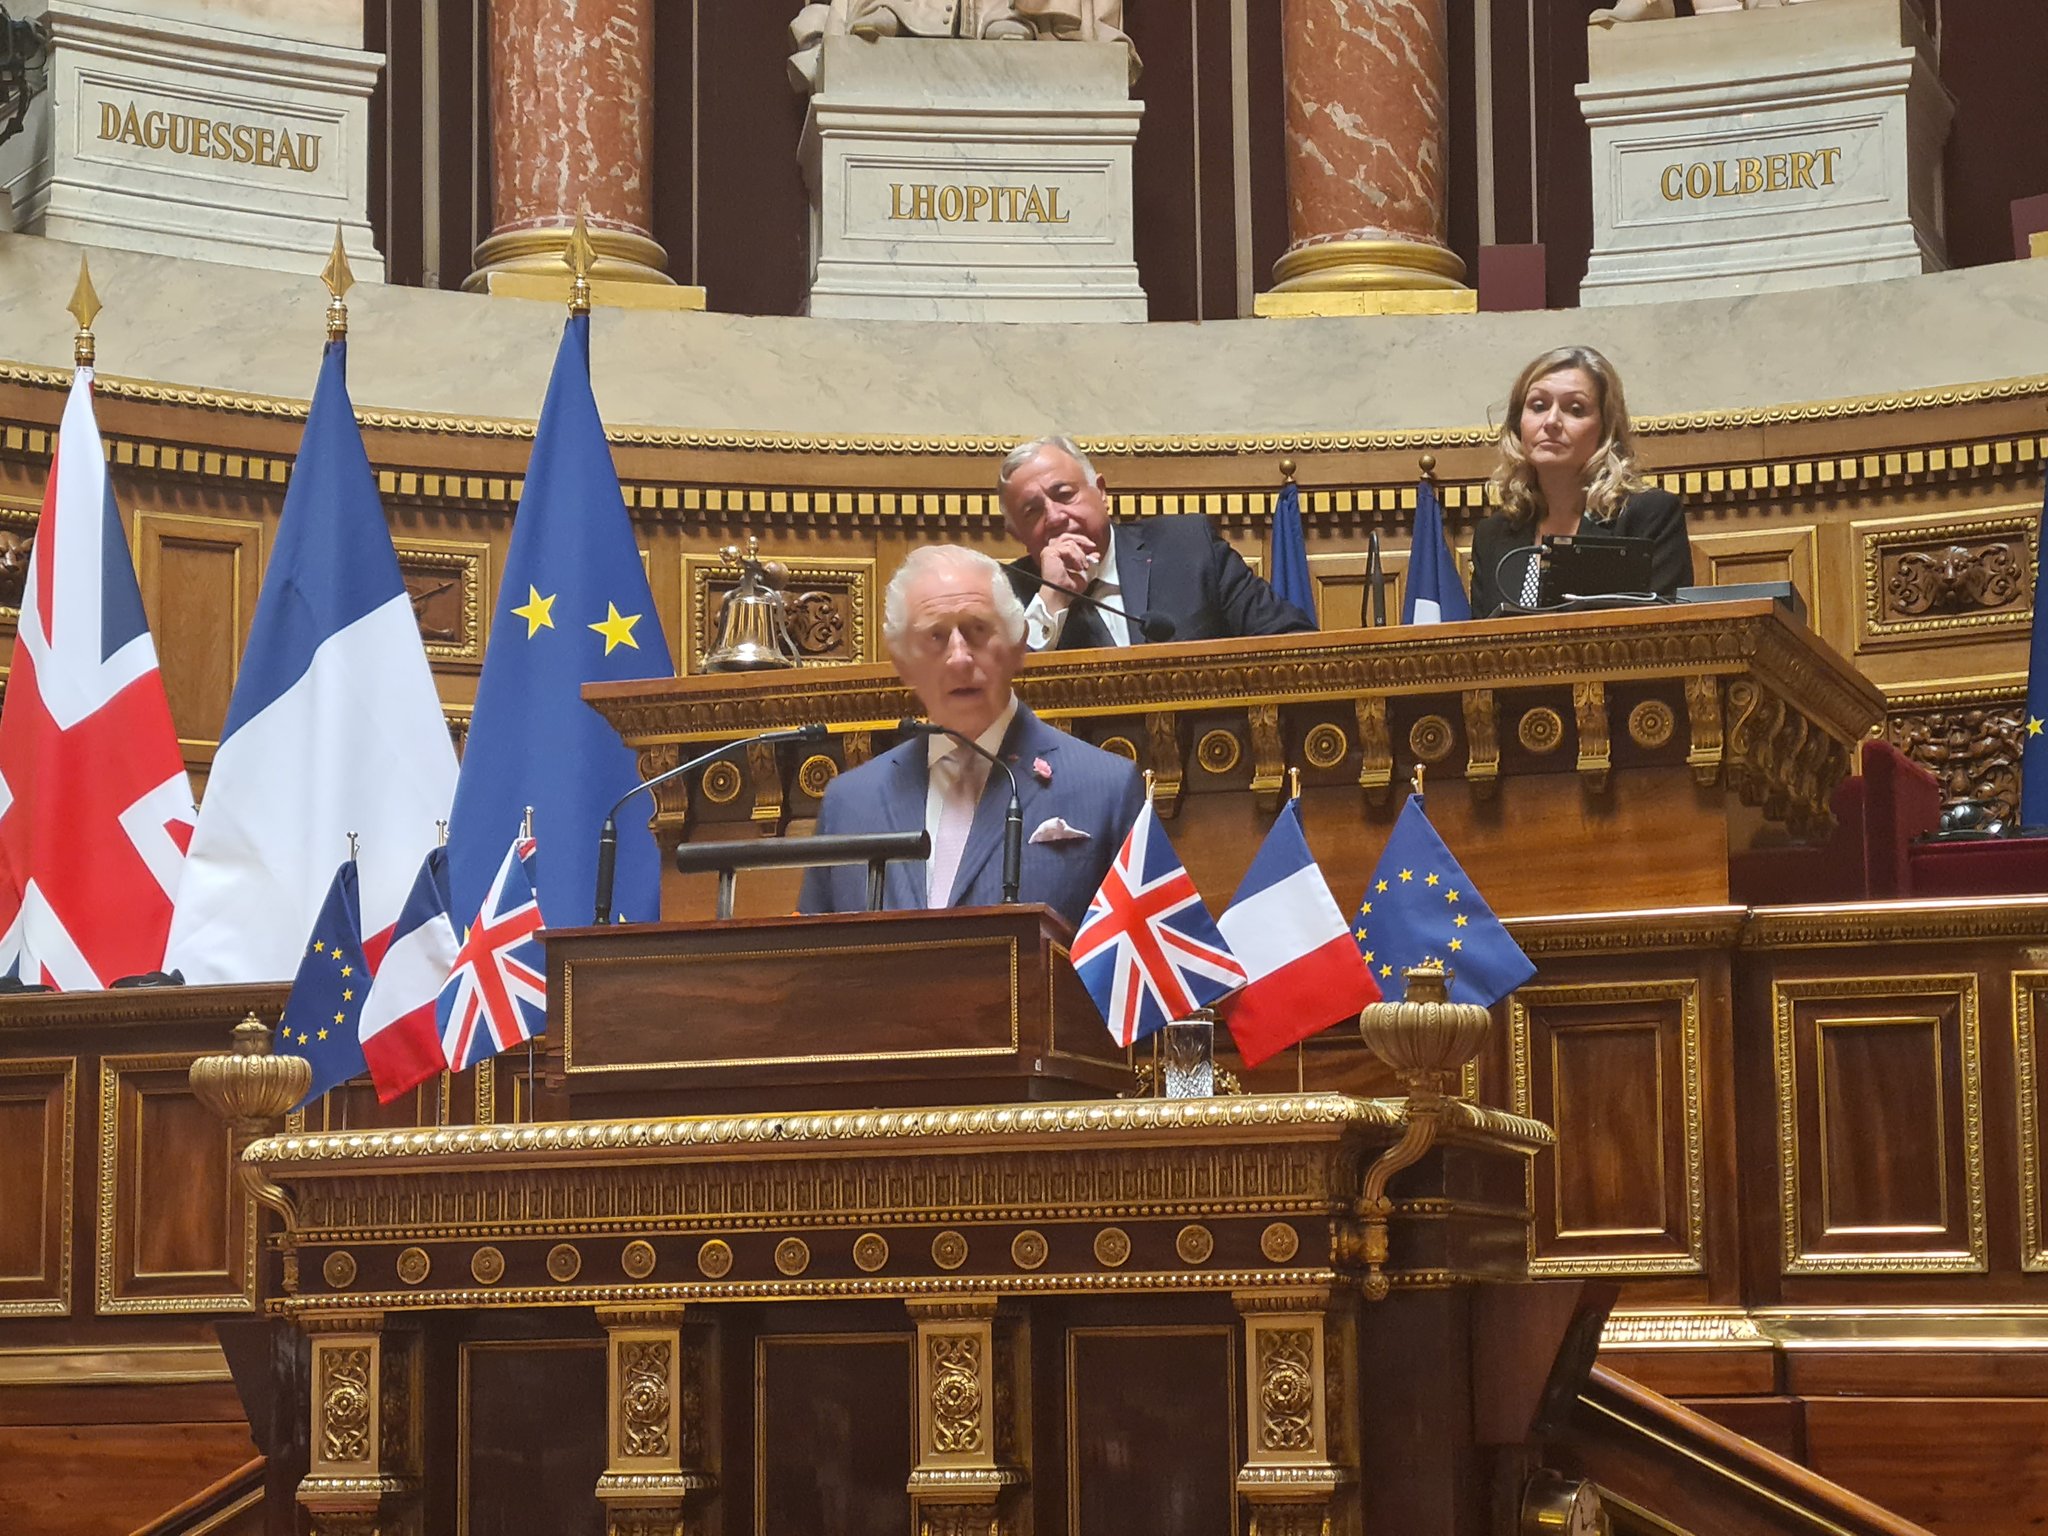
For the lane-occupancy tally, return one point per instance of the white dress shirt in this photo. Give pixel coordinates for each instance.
(1042, 625)
(944, 746)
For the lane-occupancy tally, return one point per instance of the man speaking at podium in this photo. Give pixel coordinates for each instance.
(955, 632)
(1160, 578)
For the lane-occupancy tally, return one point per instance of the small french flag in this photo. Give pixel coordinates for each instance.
(1288, 932)
(401, 1040)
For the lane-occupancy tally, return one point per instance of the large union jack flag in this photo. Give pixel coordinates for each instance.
(1148, 951)
(95, 808)
(497, 995)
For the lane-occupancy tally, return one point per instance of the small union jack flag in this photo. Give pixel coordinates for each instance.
(497, 996)
(1148, 951)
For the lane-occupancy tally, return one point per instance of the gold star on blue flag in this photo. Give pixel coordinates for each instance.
(1422, 907)
(321, 1014)
(2033, 807)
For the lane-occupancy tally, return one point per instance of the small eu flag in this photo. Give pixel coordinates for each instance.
(1422, 908)
(326, 1001)
(2034, 744)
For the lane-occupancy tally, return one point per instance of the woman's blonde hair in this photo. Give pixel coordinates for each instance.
(1610, 473)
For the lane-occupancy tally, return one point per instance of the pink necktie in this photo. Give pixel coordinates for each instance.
(960, 788)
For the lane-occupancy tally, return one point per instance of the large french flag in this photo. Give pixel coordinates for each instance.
(400, 1035)
(1288, 932)
(334, 728)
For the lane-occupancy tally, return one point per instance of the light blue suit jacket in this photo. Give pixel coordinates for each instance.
(1093, 791)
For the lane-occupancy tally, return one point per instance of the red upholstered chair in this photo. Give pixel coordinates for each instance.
(1870, 857)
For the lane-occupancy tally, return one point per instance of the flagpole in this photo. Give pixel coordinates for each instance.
(445, 1089)
(1301, 1045)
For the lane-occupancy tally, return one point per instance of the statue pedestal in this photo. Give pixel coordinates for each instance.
(1750, 151)
(971, 181)
(243, 144)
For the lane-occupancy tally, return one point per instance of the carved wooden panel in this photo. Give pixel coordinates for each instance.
(200, 577)
(18, 517)
(1614, 1067)
(447, 580)
(1343, 592)
(1957, 577)
(176, 1232)
(1152, 1428)
(37, 1103)
(1880, 1122)
(1787, 553)
(530, 1436)
(2030, 1081)
(831, 603)
(1969, 741)
(834, 1431)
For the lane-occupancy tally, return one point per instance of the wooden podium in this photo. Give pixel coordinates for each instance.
(970, 1006)
(1679, 734)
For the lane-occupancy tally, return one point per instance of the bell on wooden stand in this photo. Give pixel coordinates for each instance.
(753, 621)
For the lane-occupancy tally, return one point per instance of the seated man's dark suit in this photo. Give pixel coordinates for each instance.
(1651, 514)
(1092, 791)
(1177, 566)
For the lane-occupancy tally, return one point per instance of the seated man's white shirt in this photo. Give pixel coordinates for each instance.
(1042, 626)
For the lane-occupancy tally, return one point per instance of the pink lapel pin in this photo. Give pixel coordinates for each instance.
(1041, 770)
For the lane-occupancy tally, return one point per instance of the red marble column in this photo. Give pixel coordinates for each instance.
(1367, 146)
(572, 124)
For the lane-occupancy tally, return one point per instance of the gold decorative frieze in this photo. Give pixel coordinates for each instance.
(830, 605)
(1702, 1328)
(446, 582)
(1971, 574)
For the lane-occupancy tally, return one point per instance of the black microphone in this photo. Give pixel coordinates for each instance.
(608, 839)
(1376, 580)
(1013, 820)
(1155, 626)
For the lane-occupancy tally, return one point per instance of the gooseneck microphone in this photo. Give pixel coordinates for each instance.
(1152, 624)
(1013, 819)
(608, 839)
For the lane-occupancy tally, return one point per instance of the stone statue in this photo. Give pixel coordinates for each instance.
(1015, 21)
(1661, 10)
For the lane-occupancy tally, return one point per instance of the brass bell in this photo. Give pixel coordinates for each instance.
(753, 620)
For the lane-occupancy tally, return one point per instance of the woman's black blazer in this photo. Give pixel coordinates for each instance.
(1652, 514)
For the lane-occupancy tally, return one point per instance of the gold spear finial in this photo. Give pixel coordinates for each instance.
(581, 258)
(84, 306)
(339, 279)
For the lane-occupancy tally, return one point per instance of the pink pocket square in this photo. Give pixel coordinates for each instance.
(1054, 830)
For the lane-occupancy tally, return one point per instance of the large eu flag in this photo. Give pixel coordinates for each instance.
(572, 608)
(1422, 908)
(2034, 744)
(326, 1002)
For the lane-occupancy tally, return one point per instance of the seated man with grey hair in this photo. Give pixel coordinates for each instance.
(1056, 506)
(955, 633)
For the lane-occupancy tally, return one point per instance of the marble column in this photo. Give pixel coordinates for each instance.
(572, 125)
(1367, 147)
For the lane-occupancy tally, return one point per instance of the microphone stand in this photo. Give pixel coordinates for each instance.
(1013, 820)
(1153, 625)
(1376, 580)
(608, 839)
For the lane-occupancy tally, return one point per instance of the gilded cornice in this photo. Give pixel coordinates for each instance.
(1011, 1125)
(432, 423)
(1614, 933)
(1969, 919)
(119, 1009)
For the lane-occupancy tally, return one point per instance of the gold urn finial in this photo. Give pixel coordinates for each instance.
(84, 307)
(1425, 1037)
(580, 258)
(252, 1091)
(339, 279)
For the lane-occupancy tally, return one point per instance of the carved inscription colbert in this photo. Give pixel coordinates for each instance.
(927, 201)
(1748, 174)
(208, 138)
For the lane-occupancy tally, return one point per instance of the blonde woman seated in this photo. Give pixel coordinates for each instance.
(1568, 466)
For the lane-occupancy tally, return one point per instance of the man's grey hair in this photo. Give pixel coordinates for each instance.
(930, 557)
(1024, 453)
